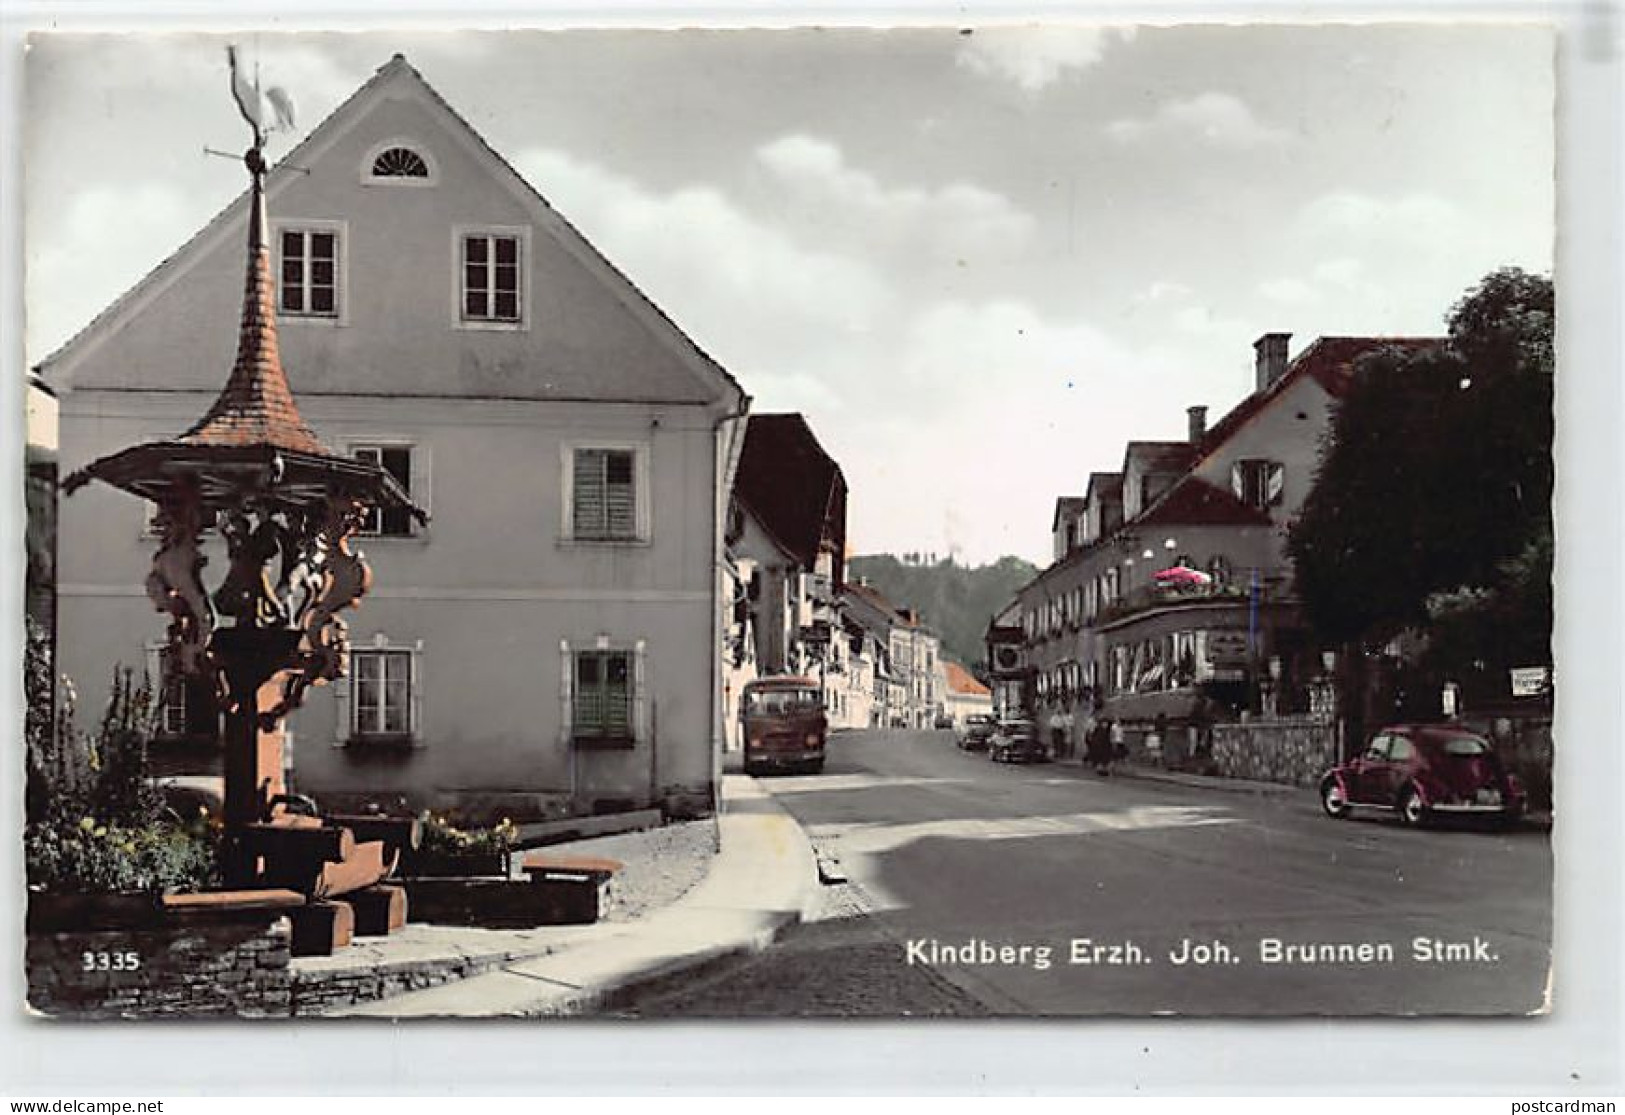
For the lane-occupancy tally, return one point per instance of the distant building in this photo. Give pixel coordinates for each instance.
(788, 523)
(1175, 598)
(963, 695)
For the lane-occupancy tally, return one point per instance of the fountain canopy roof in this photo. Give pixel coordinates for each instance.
(252, 445)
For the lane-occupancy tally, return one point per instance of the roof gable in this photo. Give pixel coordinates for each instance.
(1329, 361)
(793, 486)
(1195, 502)
(589, 332)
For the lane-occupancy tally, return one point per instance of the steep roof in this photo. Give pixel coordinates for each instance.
(1159, 456)
(1194, 502)
(706, 379)
(1067, 505)
(1329, 361)
(1106, 485)
(793, 487)
(256, 406)
(961, 681)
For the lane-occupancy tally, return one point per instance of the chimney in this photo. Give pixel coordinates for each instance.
(1270, 357)
(1198, 423)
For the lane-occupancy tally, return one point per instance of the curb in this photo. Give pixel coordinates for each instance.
(762, 882)
(1207, 782)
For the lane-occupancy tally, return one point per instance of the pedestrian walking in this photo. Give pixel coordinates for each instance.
(1098, 745)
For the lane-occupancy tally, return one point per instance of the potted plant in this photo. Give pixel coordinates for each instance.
(446, 849)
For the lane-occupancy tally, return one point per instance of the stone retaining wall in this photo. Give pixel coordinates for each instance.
(1294, 751)
(318, 992)
(178, 970)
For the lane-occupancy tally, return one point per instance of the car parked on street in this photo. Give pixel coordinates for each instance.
(1017, 741)
(1423, 772)
(977, 731)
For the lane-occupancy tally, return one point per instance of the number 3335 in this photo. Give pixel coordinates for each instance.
(110, 961)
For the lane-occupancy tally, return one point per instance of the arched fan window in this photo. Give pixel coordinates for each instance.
(399, 162)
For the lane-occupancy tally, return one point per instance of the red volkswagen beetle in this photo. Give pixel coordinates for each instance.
(1424, 771)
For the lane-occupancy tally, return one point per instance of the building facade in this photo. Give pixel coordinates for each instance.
(547, 641)
(1174, 603)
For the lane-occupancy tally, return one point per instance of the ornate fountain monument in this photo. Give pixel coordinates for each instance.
(287, 509)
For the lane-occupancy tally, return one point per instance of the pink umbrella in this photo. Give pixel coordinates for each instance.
(1181, 575)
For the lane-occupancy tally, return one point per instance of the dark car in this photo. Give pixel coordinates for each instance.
(1423, 772)
(1017, 741)
(977, 731)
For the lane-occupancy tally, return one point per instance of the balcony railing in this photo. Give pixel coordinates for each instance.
(1148, 597)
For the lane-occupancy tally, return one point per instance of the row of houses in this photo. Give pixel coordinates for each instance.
(614, 544)
(1169, 602)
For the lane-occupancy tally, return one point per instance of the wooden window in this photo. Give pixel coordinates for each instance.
(382, 694)
(399, 162)
(604, 497)
(491, 289)
(310, 273)
(1258, 483)
(394, 522)
(602, 694)
(184, 708)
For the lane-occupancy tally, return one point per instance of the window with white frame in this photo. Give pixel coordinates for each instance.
(183, 707)
(397, 460)
(491, 277)
(1258, 483)
(310, 272)
(606, 494)
(602, 692)
(383, 693)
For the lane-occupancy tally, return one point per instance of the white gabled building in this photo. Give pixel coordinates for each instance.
(548, 641)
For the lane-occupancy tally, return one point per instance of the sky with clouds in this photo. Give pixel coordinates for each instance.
(978, 262)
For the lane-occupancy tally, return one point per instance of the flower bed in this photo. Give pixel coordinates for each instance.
(446, 850)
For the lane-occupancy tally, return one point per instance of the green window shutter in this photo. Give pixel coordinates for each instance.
(566, 689)
(640, 694)
(588, 497)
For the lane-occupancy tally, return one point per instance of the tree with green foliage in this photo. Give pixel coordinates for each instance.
(1431, 509)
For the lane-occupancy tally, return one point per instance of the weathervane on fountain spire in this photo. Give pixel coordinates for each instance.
(286, 508)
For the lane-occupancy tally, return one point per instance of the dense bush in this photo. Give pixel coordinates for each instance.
(93, 858)
(97, 821)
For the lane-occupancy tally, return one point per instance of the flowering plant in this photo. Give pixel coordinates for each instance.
(440, 835)
(92, 857)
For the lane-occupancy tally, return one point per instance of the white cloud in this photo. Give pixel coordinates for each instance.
(92, 251)
(1293, 292)
(1035, 57)
(739, 286)
(952, 222)
(1217, 119)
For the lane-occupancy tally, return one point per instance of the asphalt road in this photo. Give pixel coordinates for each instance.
(982, 888)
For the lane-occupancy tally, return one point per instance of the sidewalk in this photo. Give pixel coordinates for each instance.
(761, 880)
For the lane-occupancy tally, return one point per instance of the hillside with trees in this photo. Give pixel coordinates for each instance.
(956, 601)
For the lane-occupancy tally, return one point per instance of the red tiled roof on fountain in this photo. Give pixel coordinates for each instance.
(256, 406)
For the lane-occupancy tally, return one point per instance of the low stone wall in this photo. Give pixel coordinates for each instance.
(319, 991)
(178, 970)
(1294, 751)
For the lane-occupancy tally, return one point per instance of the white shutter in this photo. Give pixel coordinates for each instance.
(341, 704)
(640, 694)
(1275, 484)
(566, 679)
(1238, 481)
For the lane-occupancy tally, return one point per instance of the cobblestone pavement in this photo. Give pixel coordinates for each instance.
(658, 865)
(838, 963)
